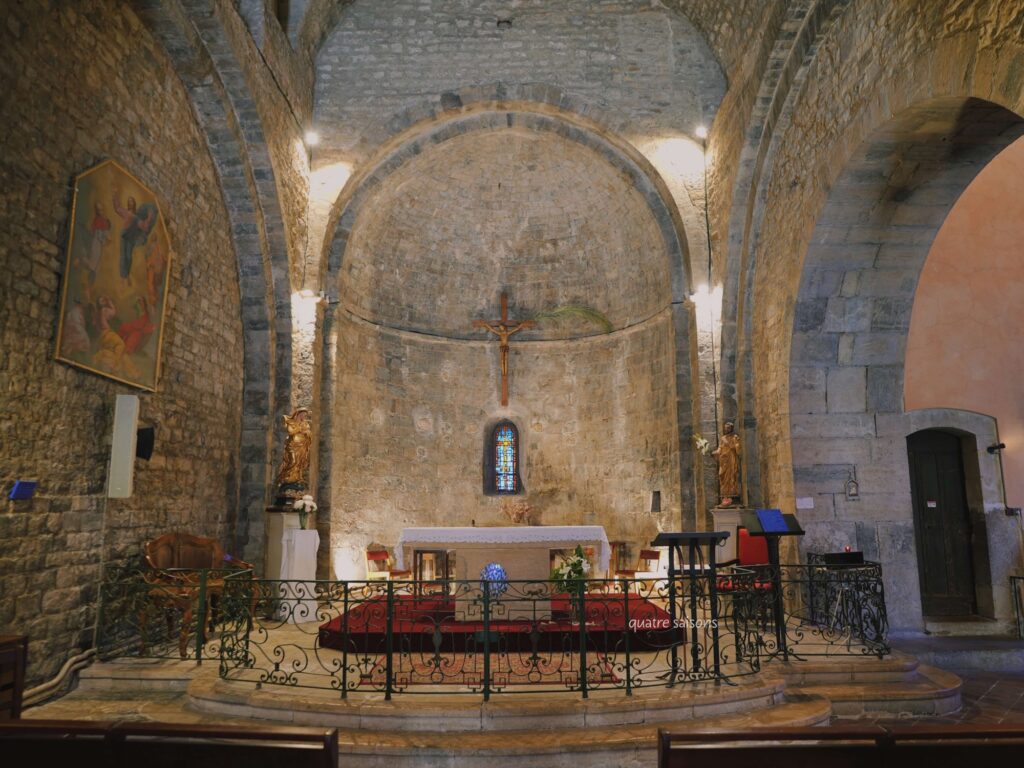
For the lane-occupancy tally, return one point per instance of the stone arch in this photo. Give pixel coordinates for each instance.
(405, 348)
(496, 116)
(771, 115)
(823, 126)
(238, 148)
(832, 103)
(852, 316)
(488, 116)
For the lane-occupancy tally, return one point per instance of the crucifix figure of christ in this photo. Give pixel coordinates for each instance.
(502, 329)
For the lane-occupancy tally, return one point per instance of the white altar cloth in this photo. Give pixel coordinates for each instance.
(552, 536)
(298, 571)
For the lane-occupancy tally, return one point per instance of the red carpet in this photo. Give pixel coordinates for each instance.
(435, 623)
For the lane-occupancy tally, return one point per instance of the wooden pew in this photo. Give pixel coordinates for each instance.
(83, 744)
(13, 658)
(937, 745)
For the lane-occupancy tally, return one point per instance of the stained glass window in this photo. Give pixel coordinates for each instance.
(506, 458)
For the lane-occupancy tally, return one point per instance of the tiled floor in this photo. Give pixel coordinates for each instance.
(989, 698)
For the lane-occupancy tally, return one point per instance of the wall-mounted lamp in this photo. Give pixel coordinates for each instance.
(996, 447)
(701, 132)
(312, 138)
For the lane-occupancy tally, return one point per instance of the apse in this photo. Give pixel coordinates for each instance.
(577, 248)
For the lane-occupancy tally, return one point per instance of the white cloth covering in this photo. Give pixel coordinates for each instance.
(298, 573)
(553, 536)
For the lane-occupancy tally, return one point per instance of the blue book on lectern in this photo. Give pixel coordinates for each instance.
(771, 521)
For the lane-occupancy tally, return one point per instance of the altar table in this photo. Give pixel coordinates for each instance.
(522, 550)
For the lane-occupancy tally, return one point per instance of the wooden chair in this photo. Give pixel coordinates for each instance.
(378, 567)
(646, 570)
(749, 588)
(176, 561)
(647, 565)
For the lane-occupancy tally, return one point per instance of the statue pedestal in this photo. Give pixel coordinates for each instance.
(728, 519)
(297, 592)
(279, 519)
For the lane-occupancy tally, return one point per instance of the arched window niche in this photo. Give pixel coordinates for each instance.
(502, 460)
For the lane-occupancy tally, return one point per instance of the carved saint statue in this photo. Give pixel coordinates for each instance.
(295, 463)
(728, 455)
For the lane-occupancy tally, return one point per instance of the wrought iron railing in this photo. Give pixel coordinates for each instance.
(799, 611)
(161, 613)
(474, 638)
(488, 638)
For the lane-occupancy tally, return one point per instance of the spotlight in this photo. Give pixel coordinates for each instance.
(996, 447)
(312, 138)
(701, 132)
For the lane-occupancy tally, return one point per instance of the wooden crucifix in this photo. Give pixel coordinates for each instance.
(502, 329)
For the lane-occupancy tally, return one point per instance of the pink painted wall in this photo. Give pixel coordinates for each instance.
(966, 344)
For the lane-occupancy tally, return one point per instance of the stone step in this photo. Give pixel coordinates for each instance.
(895, 667)
(128, 674)
(468, 713)
(626, 746)
(968, 626)
(991, 654)
(931, 691)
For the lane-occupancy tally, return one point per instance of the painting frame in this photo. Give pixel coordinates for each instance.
(116, 283)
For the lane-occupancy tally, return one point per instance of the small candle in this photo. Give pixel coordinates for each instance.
(847, 548)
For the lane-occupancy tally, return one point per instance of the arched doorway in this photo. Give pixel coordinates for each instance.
(942, 522)
(847, 416)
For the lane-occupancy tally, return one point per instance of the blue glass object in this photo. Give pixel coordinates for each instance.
(494, 580)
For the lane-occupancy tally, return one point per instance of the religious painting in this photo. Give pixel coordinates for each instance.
(115, 278)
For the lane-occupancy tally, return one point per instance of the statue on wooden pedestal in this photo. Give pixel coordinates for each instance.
(728, 455)
(291, 477)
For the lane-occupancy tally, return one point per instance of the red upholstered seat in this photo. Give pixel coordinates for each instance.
(378, 566)
(752, 550)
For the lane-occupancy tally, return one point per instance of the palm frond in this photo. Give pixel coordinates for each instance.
(575, 311)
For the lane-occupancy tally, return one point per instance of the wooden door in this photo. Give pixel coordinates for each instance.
(942, 524)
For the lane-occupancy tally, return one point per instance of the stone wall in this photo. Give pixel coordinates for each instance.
(417, 387)
(83, 82)
(536, 214)
(646, 66)
(596, 421)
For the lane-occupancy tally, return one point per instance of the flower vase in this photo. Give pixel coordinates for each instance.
(302, 519)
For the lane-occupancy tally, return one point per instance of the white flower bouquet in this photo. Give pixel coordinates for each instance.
(305, 507)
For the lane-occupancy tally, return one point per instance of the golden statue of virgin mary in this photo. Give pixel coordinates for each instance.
(295, 463)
